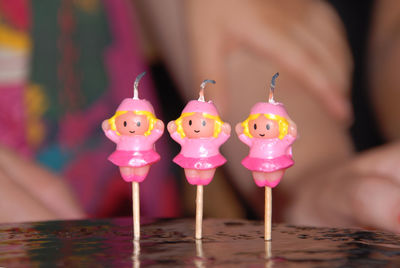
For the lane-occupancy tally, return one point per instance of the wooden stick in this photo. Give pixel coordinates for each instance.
(136, 254)
(199, 211)
(268, 255)
(268, 213)
(200, 261)
(136, 210)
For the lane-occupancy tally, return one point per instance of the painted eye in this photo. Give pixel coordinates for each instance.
(190, 122)
(125, 123)
(268, 127)
(138, 123)
(203, 123)
(255, 126)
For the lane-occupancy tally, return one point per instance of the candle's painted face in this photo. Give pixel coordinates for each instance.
(131, 124)
(198, 126)
(263, 128)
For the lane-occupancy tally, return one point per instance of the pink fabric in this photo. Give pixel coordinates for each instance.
(201, 147)
(267, 165)
(130, 104)
(268, 155)
(268, 148)
(195, 106)
(134, 143)
(202, 163)
(133, 158)
(13, 119)
(276, 108)
(17, 12)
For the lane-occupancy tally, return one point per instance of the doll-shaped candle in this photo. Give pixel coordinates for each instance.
(200, 132)
(134, 128)
(269, 132)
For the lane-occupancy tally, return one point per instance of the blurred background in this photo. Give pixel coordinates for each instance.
(66, 65)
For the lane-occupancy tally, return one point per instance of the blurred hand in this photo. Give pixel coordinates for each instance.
(304, 38)
(31, 193)
(365, 192)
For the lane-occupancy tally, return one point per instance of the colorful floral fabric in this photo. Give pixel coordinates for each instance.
(64, 67)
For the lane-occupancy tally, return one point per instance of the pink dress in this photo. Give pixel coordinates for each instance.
(268, 155)
(134, 151)
(200, 153)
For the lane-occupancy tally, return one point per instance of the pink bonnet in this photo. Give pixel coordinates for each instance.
(276, 108)
(130, 104)
(195, 106)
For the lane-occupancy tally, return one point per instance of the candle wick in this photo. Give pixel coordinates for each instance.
(272, 88)
(135, 86)
(202, 87)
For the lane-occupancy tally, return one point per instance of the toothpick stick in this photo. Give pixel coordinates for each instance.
(199, 262)
(136, 210)
(268, 213)
(199, 211)
(136, 254)
(268, 255)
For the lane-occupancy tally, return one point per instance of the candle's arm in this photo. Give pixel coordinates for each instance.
(177, 137)
(112, 135)
(246, 140)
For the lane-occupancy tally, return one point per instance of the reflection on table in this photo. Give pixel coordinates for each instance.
(108, 242)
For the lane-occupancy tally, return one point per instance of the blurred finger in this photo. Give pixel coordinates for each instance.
(376, 202)
(332, 57)
(278, 46)
(381, 161)
(17, 205)
(207, 53)
(208, 62)
(325, 21)
(41, 184)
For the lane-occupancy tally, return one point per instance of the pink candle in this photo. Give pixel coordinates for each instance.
(270, 133)
(134, 128)
(200, 132)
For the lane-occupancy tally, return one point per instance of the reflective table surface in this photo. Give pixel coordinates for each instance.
(226, 243)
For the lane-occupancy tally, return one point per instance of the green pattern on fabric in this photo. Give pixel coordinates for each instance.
(93, 36)
(45, 32)
(68, 55)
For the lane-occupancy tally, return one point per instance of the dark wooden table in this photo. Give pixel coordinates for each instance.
(226, 243)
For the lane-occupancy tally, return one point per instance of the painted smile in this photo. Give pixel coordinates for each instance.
(197, 131)
(262, 135)
(131, 131)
